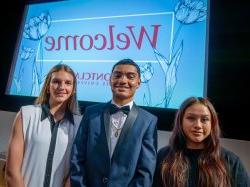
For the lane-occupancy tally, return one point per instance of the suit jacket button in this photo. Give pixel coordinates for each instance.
(105, 179)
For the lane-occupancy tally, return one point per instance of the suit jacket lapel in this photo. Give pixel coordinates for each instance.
(126, 127)
(106, 121)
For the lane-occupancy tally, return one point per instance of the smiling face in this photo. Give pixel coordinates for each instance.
(61, 87)
(124, 81)
(196, 125)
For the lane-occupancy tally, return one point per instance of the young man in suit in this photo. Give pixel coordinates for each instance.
(116, 144)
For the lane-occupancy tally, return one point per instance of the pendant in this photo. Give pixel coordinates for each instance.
(116, 133)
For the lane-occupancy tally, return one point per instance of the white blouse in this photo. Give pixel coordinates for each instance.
(37, 136)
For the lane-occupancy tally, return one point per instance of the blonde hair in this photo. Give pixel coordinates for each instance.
(44, 96)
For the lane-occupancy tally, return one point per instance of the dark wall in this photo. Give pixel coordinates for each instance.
(228, 65)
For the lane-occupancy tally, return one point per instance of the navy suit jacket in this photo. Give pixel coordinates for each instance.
(134, 158)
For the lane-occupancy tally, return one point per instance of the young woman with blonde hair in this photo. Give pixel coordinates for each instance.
(43, 133)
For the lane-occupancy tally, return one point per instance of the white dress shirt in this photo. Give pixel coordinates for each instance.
(117, 121)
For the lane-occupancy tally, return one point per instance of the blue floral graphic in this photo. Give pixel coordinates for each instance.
(26, 54)
(35, 29)
(170, 72)
(186, 12)
(147, 73)
(189, 12)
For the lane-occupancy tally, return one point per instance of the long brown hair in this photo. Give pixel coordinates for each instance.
(44, 96)
(212, 171)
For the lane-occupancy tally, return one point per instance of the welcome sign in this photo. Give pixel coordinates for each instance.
(84, 38)
(166, 39)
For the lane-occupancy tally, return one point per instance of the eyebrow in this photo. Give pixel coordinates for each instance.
(58, 79)
(194, 114)
(129, 72)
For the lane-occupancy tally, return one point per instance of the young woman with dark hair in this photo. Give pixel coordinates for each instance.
(194, 156)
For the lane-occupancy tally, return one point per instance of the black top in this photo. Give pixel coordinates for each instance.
(237, 171)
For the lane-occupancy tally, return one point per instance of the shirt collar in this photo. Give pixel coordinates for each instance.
(46, 113)
(130, 104)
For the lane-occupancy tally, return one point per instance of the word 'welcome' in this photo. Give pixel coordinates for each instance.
(99, 41)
